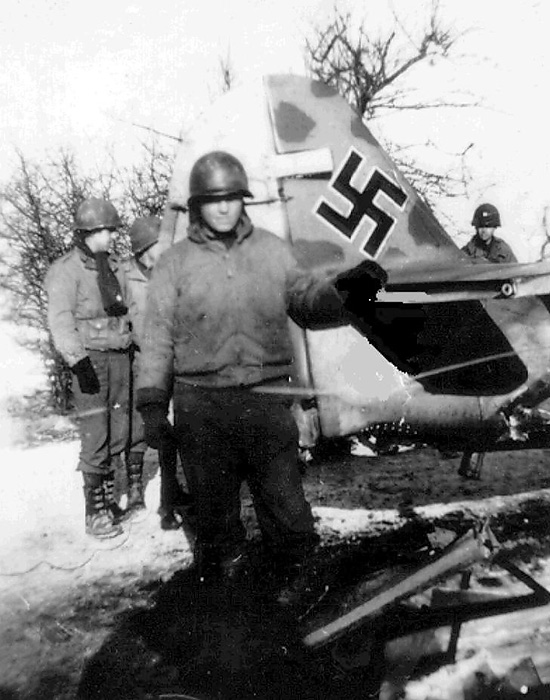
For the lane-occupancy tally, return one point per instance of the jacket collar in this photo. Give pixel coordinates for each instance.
(485, 244)
(199, 233)
(90, 263)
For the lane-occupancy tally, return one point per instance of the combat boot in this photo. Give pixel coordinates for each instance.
(175, 503)
(173, 500)
(168, 520)
(134, 470)
(111, 504)
(99, 521)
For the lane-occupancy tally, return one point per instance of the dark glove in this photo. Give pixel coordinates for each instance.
(158, 428)
(87, 378)
(359, 286)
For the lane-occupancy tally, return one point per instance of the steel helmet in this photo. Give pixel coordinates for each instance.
(486, 216)
(94, 214)
(144, 233)
(217, 173)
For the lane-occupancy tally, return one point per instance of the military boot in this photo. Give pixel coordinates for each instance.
(99, 521)
(116, 511)
(169, 485)
(134, 470)
(175, 503)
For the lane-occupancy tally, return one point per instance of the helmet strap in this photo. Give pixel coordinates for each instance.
(79, 240)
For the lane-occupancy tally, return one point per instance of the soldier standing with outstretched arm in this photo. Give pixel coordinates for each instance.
(217, 325)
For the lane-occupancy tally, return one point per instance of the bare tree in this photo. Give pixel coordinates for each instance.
(225, 78)
(373, 69)
(145, 184)
(544, 254)
(227, 73)
(37, 209)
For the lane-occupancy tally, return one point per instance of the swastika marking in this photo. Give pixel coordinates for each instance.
(362, 204)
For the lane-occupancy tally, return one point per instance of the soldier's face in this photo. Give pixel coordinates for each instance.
(150, 256)
(100, 241)
(485, 233)
(222, 215)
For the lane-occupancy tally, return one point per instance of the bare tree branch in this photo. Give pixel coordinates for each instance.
(151, 130)
(373, 70)
(37, 209)
(227, 73)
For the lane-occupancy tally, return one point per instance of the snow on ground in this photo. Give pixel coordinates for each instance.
(43, 545)
(42, 524)
(45, 553)
(20, 373)
(343, 522)
(42, 538)
(44, 517)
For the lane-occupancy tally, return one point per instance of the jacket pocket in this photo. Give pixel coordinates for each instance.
(107, 333)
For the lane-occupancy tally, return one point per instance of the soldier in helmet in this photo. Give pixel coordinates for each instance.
(217, 324)
(144, 237)
(484, 245)
(89, 321)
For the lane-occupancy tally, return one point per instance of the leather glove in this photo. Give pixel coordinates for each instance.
(359, 286)
(158, 428)
(87, 378)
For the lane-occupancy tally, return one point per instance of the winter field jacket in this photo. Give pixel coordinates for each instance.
(218, 316)
(138, 281)
(76, 317)
(498, 251)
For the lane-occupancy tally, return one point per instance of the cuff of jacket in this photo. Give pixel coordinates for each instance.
(149, 396)
(74, 358)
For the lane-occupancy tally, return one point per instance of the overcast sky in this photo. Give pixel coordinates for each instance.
(79, 73)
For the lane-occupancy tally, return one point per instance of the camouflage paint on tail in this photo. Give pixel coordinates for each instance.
(365, 201)
(320, 178)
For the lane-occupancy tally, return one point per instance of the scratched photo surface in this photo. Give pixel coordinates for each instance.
(382, 134)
